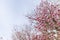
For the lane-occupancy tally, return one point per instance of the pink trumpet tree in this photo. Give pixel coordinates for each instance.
(47, 19)
(47, 22)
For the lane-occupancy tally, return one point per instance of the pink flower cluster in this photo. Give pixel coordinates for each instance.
(47, 16)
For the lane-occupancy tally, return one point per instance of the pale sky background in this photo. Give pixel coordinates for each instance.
(12, 12)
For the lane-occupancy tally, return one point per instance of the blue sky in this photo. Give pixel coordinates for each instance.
(12, 12)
